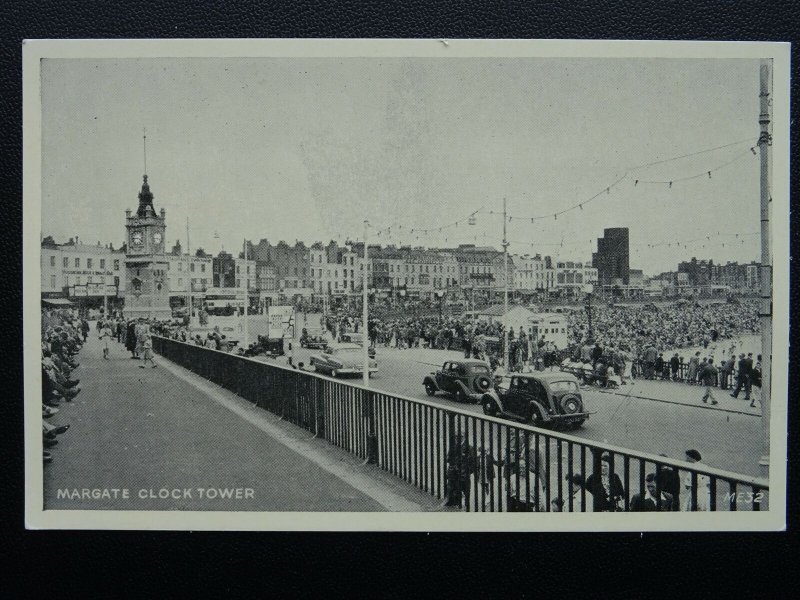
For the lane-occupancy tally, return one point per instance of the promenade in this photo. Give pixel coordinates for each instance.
(165, 439)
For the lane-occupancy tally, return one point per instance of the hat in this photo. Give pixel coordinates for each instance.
(606, 457)
(693, 454)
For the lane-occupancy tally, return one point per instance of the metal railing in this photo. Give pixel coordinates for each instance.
(475, 461)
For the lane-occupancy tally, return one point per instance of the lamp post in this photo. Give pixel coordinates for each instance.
(365, 311)
(246, 296)
(505, 289)
(588, 289)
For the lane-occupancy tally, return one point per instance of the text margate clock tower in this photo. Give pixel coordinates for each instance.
(147, 284)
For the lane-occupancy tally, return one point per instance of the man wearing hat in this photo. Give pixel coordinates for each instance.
(703, 486)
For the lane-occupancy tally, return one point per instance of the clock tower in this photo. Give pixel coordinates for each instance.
(147, 283)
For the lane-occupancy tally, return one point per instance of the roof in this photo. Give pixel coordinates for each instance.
(56, 301)
(546, 375)
(498, 310)
(469, 361)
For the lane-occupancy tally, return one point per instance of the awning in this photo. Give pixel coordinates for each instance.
(56, 301)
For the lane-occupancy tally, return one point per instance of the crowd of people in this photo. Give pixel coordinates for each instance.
(624, 343)
(665, 490)
(664, 328)
(627, 343)
(63, 335)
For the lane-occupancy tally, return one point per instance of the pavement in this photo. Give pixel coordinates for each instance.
(165, 439)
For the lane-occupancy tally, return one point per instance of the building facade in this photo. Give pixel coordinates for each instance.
(531, 274)
(188, 274)
(86, 274)
(572, 277)
(612, 259)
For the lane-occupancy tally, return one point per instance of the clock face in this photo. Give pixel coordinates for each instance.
(157, 238)
(136, 238)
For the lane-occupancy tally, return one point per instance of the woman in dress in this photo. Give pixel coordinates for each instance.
(607, 492)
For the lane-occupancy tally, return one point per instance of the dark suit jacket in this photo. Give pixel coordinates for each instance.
(603, 501)
(748, 366)
(643, 504)
(669, 481)
(745, 365)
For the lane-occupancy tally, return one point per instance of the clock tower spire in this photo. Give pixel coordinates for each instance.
(147, 284)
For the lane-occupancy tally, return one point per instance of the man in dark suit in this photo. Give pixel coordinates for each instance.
(650, 501)
(743, 376)
(669, 481)
(725, 372)
(674, 365)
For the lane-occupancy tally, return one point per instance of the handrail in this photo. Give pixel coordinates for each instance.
(757, 482)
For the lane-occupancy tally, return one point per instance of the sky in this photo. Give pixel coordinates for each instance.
(307, 149)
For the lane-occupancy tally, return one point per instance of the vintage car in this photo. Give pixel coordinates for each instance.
(587, 375)
(358, 339)
(313, 341)
(542, 399)
(464, 379)
(342, 359)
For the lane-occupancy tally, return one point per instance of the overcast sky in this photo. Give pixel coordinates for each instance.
(308, 148)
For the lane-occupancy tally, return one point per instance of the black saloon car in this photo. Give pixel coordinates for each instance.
(542, 399)
(463, 379)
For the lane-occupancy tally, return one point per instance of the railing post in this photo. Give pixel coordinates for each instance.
(372, 432)
(319, 408)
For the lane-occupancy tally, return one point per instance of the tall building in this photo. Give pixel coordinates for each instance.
(612, 259)
(146, 263)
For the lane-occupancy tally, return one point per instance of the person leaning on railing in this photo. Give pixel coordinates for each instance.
(652, 500)
(608, 492)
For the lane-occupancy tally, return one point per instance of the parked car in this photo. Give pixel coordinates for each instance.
(543, 399)
(358, 339)
(464, 379)
(342, 359)
(587, 375)
(313, 341)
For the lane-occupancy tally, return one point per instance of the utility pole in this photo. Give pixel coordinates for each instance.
(505, 295)
(765, 309)
(189, 277)
(365, 311)
(105, 296)
(246, 295)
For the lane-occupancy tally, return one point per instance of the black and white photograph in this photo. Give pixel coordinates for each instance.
(406, 285)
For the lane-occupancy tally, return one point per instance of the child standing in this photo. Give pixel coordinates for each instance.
(148, 350)
(105, 335)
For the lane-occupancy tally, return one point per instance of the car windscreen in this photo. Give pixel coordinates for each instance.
(349, 353)
(563, 386)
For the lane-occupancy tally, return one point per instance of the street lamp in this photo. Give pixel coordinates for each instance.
(588, 289)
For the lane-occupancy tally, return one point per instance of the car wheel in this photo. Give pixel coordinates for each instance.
(490, 408)
(576, 425)
(571, 405)
(429, 389)
(459, 395)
